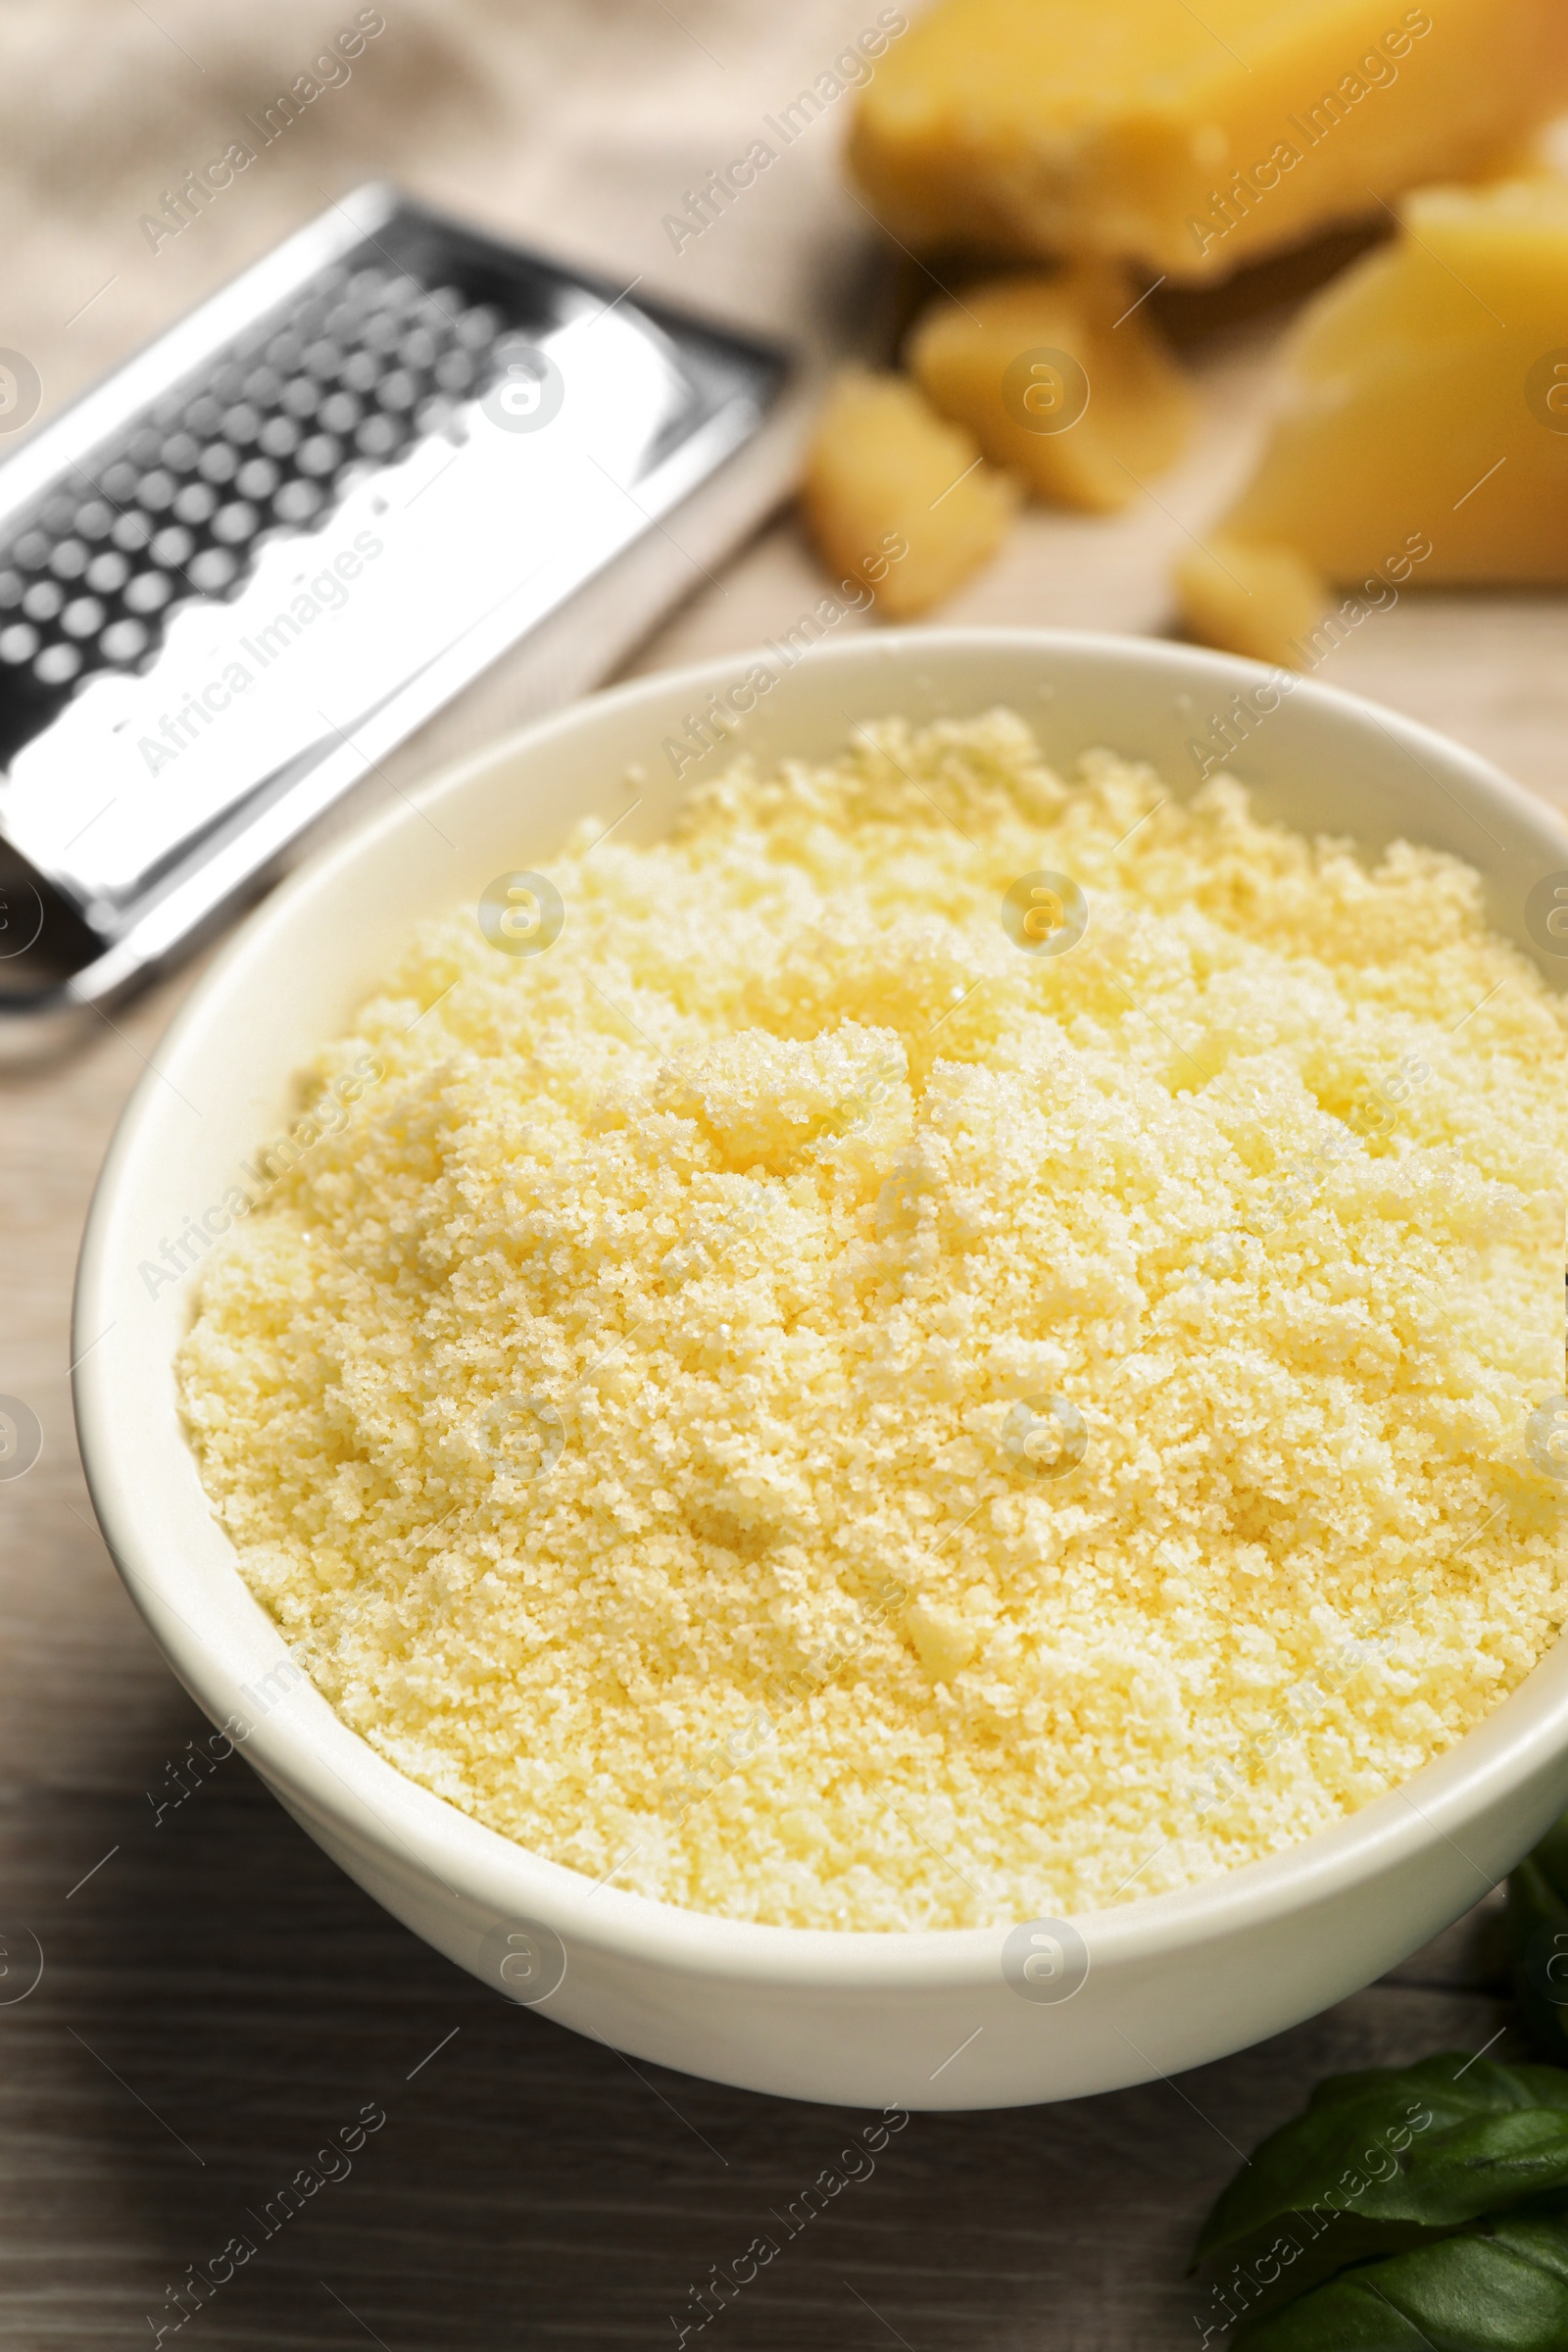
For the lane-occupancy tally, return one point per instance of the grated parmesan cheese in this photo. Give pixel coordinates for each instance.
(839, 1408)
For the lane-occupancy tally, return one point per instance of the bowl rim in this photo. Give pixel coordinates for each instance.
(328, 1772)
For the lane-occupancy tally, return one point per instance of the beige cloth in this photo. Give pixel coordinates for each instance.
(580, 124)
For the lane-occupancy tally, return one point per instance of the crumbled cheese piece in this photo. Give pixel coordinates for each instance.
(897, 497)
(843, 1404)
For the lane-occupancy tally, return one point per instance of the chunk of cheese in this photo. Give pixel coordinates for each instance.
(1060, 378)
(885, 474)
(1192, 140)
(1424, 435)
(1264, 602)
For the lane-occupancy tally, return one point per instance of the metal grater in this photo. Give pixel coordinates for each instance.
(270, 546)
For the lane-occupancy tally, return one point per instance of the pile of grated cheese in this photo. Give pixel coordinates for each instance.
(794, 1402)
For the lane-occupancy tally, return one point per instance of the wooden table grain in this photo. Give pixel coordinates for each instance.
(218, 2004)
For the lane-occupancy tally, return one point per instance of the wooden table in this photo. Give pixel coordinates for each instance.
(215, 1998)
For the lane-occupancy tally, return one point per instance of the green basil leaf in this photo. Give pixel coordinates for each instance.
(1382, 2163)
(1433, 2145)
(1503, 2289)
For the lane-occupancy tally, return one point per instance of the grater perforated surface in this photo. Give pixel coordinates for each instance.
(304, 406)
(349, 366)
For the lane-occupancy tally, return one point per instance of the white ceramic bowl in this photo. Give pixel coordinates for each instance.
(915, 2020)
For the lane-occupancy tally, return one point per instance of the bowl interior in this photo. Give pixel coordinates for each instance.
(295, 973)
